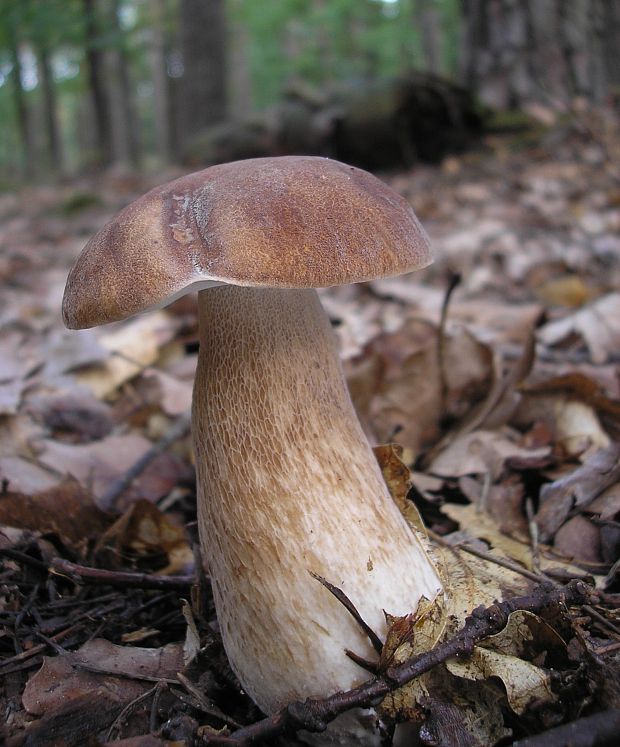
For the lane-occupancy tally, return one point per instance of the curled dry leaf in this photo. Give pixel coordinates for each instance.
(577, 490)
(508, 656)
(546, 399)
(64, 678)
(480, 452)
(397, 477)
(175, 395)
(598, 324)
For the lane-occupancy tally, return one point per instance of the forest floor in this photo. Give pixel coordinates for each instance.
(497, 370)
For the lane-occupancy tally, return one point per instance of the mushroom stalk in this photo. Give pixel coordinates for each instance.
(288, 486)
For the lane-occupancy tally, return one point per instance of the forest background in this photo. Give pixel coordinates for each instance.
(87, 83)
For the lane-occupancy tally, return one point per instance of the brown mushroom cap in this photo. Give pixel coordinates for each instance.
(289, 222)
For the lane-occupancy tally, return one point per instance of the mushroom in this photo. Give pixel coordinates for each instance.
(288, 486)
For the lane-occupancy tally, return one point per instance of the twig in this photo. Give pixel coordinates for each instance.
(123, 579)
(118, 721)
(39, 648)
(599, 730)
(22, 557)
(86, 667)
(205, 706)
(177, 431)
(600, 619)
(154, 717)
(314, 714)
(498, 560)
(533, 531)
(453, 282)
(344, 600)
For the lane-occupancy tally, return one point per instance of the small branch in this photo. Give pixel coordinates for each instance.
(314, 714)
(600, 730)
(176, 432)
(344, 600)
(453, 283)
(510, 565)
(122, 579)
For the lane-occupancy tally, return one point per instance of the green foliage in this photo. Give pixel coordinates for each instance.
(318, 41)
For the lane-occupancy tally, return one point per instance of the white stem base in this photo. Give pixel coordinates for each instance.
(288, 485)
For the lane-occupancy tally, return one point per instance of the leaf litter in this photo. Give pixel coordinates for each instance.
(506, 414)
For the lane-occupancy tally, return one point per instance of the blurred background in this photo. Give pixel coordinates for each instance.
(90, 84)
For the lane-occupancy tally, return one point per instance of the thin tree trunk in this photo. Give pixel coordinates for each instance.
(19, 101)
(611, 40)
(50, 108)
(241, 97)
(203, 84)
(517, 52)
(429, 24)
(124, 134)
(161, 83)
(96, 79)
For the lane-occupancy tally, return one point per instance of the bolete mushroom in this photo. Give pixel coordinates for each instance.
(288, 485)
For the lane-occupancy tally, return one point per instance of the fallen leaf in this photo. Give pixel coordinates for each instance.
(100, 464)
(66, 510)
(143, 529)
(478, 452)
(65, 678)
(131, 347)
(11, 396)
(24, 476)
(579, 540)
(78, 413)
(503, 656)
(175, 395)
(576, 490)
(598, 324)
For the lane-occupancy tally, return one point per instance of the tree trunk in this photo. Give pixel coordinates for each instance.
(158, 52)
(241, 98)
(428, 21)
(50, 109)
(517, 52)
(123, 120)
(19, 101)
(203, 83)
(611, 35)
(96, 80)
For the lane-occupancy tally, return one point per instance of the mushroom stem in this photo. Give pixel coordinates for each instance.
(288, 486)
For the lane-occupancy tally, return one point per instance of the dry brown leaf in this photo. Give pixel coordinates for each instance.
(505, 656)
(598, 324)
(481, 452)
(144, 529)
(11, 396)
(477, 525)
(576, 490)
(66, 510)
(567, 290)
(412, 403)
(578, 539)
(100, 464)
(67, 677)
(175, 395)
(24, 476)
(131, 347)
